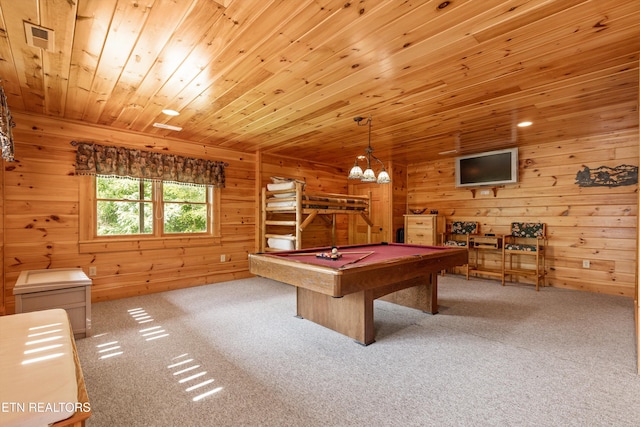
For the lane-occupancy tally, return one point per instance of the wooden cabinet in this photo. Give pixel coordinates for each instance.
(66, 288)
(424, 229)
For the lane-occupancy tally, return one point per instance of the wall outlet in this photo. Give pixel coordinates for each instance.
(586, 263)
(223, 258)
(93, 271)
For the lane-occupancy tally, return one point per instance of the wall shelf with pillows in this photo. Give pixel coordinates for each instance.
(287, 210)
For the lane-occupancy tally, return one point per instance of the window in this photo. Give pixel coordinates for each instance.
(185, 208)
(133, 214)
(138, 207)
(124, 206)
(116, 215)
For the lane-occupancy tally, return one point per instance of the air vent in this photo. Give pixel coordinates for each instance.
(164, 126)
(39, 36)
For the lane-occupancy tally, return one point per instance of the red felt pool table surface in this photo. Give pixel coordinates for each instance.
(339, 293)
(356, 256)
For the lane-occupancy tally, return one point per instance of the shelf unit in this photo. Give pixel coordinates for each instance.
(478, 245)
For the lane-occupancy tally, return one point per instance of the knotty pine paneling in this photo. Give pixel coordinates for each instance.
(42, 215)
(598, 224)
(637, 290)
(319, 178)
(399, 198)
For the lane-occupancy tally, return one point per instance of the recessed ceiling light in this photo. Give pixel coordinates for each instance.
(171, 112)
(524, 124)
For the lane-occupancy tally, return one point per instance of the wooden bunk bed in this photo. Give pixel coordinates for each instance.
(286, 206)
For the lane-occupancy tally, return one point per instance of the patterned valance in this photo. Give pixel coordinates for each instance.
(94, 159)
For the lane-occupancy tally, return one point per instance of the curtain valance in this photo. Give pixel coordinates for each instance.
(94, 159)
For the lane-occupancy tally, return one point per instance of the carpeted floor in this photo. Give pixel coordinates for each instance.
(493, 356)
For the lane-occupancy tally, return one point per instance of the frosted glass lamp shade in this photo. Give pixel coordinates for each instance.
(383, 177)
(356, 172)
(368, 176)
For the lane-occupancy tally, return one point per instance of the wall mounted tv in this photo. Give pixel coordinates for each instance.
(491, 168)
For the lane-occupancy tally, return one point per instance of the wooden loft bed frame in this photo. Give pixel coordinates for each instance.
(303, 208)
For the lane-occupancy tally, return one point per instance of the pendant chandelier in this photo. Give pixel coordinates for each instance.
(368, 175)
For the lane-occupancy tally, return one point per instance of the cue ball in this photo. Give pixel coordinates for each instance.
(334, 250)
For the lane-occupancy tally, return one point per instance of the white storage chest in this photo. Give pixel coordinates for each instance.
(67, 288)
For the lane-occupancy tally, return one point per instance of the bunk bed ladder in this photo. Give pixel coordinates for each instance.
(296, 235)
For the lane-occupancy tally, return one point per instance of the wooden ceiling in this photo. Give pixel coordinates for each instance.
(287, 77)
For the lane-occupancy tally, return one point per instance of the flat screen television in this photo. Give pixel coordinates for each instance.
(491, 168)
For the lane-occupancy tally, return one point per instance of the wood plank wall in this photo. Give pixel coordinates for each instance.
(583, 223)
(399, 197)
(41, 210)
(41, 215)
(637, 293)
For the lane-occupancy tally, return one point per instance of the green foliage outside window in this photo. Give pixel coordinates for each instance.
(125, 207)
(185, 208)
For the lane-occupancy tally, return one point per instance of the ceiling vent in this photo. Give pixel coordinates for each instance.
(165, 126)
(39, 36)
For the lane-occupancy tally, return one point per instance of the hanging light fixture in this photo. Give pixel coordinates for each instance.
(368, 175)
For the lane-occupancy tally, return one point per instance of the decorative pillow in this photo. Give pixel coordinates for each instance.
(283, 184)
(527, 229)
(520, 247)
(464, 227)
(279, 180)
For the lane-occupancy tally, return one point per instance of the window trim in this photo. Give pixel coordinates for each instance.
(90, 242)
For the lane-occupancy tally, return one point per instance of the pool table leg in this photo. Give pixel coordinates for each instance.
(351, 315)
(420, 293)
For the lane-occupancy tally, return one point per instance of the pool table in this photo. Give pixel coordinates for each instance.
(339, 293)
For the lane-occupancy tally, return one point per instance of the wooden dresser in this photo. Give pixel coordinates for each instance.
(424, 229)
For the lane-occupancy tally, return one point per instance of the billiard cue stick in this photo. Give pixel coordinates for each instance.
(328, 252)
(313, 254)
(361, 258)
